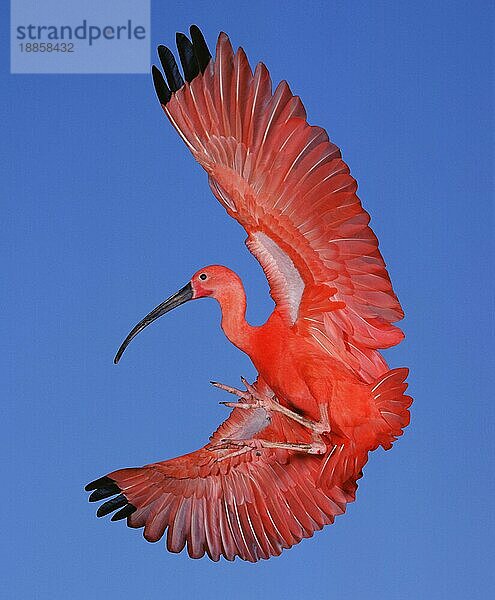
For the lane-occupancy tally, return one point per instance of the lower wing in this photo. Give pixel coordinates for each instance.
(252, 504)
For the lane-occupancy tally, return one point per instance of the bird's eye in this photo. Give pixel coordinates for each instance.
(203, 276)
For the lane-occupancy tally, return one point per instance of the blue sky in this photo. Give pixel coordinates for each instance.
(105, 213)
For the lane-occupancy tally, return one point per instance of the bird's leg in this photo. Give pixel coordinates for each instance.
(315, 447)
(252, 398)
(324, 422)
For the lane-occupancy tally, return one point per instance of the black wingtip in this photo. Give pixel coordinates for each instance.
(123, 513)
(200, 46)
(161, 88)
(174, 78)
(104, 487)
(194, 57)
(187, 57)
(104, 492)
(107, 507)
(194, 30)
(98, 483)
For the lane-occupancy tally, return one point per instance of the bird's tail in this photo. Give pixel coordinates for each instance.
(347, 458)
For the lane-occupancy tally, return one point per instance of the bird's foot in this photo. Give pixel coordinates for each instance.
(246, 445)
(252, 398)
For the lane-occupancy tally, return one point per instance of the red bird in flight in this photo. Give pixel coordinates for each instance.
(286, 460)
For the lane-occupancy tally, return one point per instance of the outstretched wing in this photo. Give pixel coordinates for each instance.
(252, 505)
(287, 185)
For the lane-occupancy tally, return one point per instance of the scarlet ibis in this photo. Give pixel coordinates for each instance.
(287, 459)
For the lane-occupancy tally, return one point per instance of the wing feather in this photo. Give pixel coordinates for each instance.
(211, 501)
(279, 176)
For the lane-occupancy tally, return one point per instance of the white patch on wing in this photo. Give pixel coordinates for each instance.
(281, 272)
(258, 420)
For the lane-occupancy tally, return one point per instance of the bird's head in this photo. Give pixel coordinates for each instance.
(213, 281)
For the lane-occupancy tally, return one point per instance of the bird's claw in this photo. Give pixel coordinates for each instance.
(248, 403)
(236, 404)
(252, 399)
(228, 388)
(239, 446)
(248, 399)
(229, 443)
(250, 388)
(251, 443)
(246, 445)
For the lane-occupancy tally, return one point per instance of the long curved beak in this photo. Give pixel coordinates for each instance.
(183, 295)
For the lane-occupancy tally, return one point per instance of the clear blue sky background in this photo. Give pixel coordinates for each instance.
(104, 213)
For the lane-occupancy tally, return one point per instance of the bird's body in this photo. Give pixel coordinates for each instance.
(304, 377)
(286, 460)
(302, 374)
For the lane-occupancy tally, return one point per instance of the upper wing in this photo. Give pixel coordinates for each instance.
(287, 185)
(252, 505)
